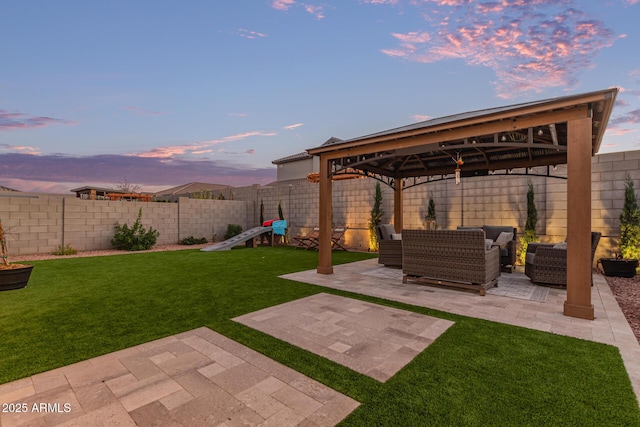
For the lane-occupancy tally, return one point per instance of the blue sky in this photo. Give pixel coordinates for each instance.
(161, 93)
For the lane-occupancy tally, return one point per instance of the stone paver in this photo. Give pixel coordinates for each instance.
(609, 327)
(369, 338)
(195, 378)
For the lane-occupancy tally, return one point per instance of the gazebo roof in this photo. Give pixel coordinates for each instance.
(522, 135)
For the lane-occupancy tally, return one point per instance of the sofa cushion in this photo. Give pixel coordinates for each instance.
(396, 236)
(530, 257)
(504, 238)
(487, 244)
(493, 231)
(386, 230)
(561, 245)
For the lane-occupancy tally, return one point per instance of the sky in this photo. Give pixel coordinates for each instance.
(161, 93)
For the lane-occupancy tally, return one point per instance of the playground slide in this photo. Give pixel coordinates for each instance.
(236, 240)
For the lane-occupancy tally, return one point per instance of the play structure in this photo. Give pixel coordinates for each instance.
(270, 232)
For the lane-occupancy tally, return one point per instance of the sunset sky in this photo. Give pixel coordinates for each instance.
(162, 93)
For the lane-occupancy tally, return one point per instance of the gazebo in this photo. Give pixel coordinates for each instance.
(565, 130)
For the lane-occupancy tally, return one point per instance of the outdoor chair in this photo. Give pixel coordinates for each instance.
(497, 234)
(546, 263)
(389, 249)
(336, 236)
(451, 258)
(308, 241)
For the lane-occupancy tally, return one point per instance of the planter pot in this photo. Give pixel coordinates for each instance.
(15, 278)
(619, 267)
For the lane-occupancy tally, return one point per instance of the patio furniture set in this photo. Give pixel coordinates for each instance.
(312, 239)
(470, 258)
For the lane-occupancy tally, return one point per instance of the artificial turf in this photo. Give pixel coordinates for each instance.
(477, 373)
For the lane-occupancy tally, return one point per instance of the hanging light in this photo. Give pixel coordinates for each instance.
(459, 162)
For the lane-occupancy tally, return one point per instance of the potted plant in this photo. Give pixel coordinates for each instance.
(626, 263)
(12, 276)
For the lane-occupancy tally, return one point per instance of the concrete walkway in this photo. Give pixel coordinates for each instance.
(609, 327)
(192, 379)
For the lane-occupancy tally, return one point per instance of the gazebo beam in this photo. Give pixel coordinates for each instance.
(326, 206)
(578, 303)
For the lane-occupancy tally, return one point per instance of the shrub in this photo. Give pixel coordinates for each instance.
(630, 223)
(136, 238)
(64, 250)
(193, 241)
(376, 219)
(232, 230)
(529, 234)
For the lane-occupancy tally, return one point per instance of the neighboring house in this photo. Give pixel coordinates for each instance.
(94, 193)
(299, 165)
(195, 190)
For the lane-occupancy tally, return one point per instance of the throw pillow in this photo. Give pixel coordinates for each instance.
(396, 236)
(561, 245)
(503, 239)
(487, 244)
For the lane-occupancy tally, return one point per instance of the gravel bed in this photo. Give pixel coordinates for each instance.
(627, 293)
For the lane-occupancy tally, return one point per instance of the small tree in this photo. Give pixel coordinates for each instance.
(430, 217)
(376, 218)
(530, 226)
(261, 212)
(280, 214)
(630, 223)
(128, 187)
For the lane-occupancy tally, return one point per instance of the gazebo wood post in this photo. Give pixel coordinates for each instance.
(398, 200)
(578, 303)
(325, 208)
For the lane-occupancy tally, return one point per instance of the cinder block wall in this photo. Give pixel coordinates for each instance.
(38, 223)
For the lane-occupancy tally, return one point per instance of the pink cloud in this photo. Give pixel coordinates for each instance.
(283, 4)
(297, 125)
(20, 149)
(314, 10)
(197, 147)
(144, 112)
(530, 44)
(248, 34)
(632, 117)
(420, 117)
(14, 121)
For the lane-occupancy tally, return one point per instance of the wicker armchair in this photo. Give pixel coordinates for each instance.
(389, 250)
(548, 265)
(508, 252)
(453, 258)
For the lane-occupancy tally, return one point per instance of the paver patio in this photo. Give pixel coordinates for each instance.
(609, 327)
(369, 338)
(195, 378)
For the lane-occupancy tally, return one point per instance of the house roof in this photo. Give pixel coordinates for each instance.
(191, 187)
(521, 135)
(304, 155)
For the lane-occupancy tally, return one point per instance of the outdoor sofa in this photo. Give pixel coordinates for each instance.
(507, 248)
(454, 258)
(546, 263)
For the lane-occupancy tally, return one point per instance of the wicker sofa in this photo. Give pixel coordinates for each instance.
(455, 258)
(508, 252)
(547, 265)
(389, 249)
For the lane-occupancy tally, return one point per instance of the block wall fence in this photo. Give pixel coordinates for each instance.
(38, 223)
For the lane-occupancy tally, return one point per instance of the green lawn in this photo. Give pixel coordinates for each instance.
(477, 373)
